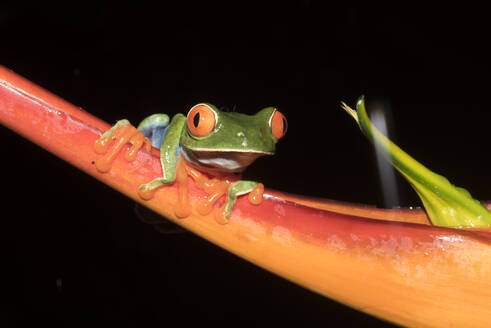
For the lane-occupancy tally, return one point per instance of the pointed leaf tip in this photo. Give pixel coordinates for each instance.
(350, 111)
(361, 100)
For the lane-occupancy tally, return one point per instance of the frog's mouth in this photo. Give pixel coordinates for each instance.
(230, 161)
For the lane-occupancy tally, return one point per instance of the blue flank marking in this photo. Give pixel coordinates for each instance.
(156, 134)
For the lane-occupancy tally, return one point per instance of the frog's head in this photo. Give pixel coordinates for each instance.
(229, 142)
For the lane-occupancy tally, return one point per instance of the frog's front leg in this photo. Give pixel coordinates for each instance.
(146, 190)
(182, 208)
(155, 128)
(254, 189)
(169, 159)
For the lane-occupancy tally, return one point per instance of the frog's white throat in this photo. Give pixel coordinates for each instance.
(223, 161)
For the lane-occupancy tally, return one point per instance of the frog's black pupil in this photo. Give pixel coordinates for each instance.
(196, 120)
(285, 125)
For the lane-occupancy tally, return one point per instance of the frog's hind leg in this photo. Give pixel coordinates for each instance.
(154, 128)
(118, 124)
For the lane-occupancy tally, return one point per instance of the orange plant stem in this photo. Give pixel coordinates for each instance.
(411, 274)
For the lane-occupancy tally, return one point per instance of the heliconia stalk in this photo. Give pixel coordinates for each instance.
(409, 272)
(447, 205)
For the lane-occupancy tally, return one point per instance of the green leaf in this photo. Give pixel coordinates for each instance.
(446, 205)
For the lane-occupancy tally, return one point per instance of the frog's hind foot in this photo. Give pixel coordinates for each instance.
(118, 136)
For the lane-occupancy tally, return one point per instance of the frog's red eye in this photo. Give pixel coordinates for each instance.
(201, 120)
(279, 125)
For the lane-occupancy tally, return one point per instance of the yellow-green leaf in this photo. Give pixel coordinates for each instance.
(446, 205)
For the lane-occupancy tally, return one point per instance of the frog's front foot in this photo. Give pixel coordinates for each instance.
(182, 208)
(145, 192)
(255, 191)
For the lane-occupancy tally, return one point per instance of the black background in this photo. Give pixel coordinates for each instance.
(76, 254)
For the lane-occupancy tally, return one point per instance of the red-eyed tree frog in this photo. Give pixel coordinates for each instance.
(209, 140)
